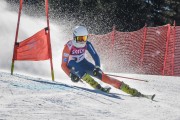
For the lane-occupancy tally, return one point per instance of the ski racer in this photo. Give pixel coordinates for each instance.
(77, 67)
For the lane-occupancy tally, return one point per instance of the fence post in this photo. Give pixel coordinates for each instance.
(174, 38)
(166, 52)
(113, 36)
(143, 46)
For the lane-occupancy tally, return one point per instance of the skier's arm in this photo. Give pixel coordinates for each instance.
(65, 57)
(93, 53)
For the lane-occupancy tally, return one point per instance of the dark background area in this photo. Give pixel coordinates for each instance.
(101, 15)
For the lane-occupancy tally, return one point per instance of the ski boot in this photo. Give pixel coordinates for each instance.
(94, 84)
(125, 88)
(104, 89)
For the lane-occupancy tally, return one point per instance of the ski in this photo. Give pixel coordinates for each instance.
(149, 96)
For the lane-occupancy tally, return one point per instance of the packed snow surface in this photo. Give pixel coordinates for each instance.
(30, 98)
(27, 97)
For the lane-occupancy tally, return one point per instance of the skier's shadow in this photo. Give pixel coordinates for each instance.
(62, 86)
(99, 92)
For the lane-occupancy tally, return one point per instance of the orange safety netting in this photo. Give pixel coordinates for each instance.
(105, 42)
(168, 68)
(177, 52)
(127, 50)
(150, 50)
(155, 48)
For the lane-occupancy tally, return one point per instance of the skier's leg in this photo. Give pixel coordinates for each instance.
(125, 88)
(94, 84)
(120, 85)
(112, 81)
(79, 70)
(76, 68)
(89, 67)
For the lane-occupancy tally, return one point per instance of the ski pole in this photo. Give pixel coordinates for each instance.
(126, 77)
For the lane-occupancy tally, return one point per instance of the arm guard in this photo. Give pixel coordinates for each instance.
(65, 58)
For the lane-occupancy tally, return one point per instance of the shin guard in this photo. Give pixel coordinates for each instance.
(94, 84)
(125, 88)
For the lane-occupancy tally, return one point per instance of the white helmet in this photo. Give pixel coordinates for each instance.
(80, 35)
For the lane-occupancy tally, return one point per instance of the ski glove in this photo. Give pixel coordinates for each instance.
(97, 71)
(74, 78)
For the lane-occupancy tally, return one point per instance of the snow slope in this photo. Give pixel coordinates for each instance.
(31, 98)
(27, 98)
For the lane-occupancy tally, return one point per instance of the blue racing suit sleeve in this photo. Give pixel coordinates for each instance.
(93, 53)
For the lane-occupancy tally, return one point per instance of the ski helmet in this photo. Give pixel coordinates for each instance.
(80, 36)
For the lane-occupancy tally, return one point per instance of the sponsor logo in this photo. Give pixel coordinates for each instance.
(81, 56)
(65, 59)
(66, 54)
(77, 51)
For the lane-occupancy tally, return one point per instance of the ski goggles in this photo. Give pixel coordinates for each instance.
(81, 38)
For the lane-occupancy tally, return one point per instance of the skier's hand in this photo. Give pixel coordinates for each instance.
(74, 78)
(97, 71)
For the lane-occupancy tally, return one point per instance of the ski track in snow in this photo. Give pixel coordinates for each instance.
(24, 97)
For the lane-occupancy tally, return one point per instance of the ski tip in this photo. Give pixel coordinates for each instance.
(152, 98)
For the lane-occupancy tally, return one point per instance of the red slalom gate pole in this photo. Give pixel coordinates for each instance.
(49, 41)
(16, 36)
(127, 78)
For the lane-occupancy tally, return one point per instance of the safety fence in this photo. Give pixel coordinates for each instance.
(150, 50)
